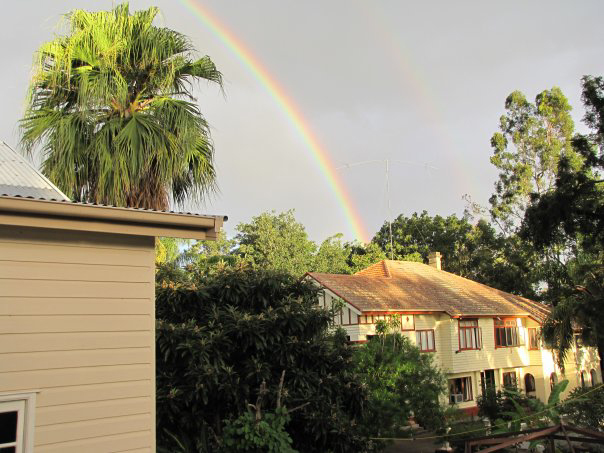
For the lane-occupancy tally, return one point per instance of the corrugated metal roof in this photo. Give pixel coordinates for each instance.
(19, 178)
(110, 206)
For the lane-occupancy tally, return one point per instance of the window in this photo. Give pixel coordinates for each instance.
(16, 423)
(583, 379)
(594, 377)
(534, 337)
(487, 380)
(460, 390)
(578, 342)
(529, 383)
(425, 340)
(509, 380)
(553, 380)
(506, 333)
(470, 336)
(407, 322)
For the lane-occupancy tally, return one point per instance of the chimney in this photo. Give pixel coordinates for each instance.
(434, 260)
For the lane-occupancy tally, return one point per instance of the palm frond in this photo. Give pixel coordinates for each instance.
(111, 106)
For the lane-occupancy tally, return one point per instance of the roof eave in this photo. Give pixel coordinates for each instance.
(26, 212)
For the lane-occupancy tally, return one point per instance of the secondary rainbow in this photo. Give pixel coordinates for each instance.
(319, 153)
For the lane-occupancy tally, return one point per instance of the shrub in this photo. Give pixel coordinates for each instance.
(585, 410)
(402, 382)
(219, 340)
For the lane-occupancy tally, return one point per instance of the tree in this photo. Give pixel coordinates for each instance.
(220, 337)
(361, 256)
(573, 212)
(277, 242)
(401, 382)
(333, 256)
(532, 140)
(585, 407)
(111, 105)
(476, 252)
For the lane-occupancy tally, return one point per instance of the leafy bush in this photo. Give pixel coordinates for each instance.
(498, 405)
(463, 431)
(402, 382)
(268, 435)
(585, 410)
(221, 337)
(510, 409)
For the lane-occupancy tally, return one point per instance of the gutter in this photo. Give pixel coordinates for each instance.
(39, 213)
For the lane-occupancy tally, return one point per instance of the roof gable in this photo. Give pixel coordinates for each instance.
(376, 270)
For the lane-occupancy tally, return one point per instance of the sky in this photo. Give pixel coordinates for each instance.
(420, 84)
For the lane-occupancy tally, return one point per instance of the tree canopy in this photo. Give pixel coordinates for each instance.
(220, 337)
(572, 212)
(111, 105)
(533, 137)
(475, 251)
(402, 382)
(270, 241)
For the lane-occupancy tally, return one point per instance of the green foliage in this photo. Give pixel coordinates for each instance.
(332, 256)
(509, 409)
(362, 256)
(276, 241)
(476, 252)
(585, 410)
(271, 242)
(268, 435)
(401, 381)
(573, 213)
(168, 250)
(223, 334)
(532, 140)
(532, 411)
(472, 429)
(279, 242)
(111, 105)
(493, 404)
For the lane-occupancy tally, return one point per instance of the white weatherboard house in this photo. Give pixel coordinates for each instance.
(479, 336)
(77, 316)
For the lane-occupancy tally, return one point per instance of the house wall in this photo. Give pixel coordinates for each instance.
(469, 363)
(77, 327)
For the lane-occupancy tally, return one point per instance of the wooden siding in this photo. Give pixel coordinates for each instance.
(77, 326)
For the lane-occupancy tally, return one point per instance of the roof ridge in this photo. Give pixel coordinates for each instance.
(398, 284)
(386, 269)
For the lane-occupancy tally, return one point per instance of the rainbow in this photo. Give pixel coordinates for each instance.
(401, 56)
(319, 153)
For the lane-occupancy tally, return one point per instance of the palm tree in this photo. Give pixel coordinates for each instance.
(111, 106)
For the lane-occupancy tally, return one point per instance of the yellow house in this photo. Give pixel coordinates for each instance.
(479, 336)
(77, 327)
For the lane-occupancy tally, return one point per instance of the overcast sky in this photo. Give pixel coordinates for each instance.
(419, 82)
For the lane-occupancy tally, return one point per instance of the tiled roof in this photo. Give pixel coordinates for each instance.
(19, 178)
(410, 286)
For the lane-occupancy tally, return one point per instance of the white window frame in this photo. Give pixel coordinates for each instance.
(25, 404)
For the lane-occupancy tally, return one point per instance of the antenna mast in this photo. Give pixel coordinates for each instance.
(387, 162)
(389, 209)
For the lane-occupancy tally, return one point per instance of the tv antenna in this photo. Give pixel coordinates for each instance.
(387, 178)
